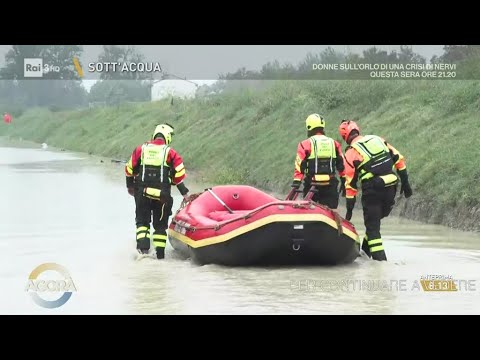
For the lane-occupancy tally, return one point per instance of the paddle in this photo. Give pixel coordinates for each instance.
(293, 194)
(220, 200)
(312, 191)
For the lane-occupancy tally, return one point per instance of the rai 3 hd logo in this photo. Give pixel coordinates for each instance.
(35, 68)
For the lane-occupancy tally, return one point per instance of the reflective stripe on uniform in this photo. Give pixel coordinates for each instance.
(180, 173)
(180, 167)
(378, 243)
(129, 167)
(152, 193)
(161, 213)
(142, 232)
(298, 163)
(321, 178)
(374, 242)
(376, 248)
(159, 240)
(389, 179)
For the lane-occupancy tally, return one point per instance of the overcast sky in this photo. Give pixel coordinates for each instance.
(208, 61)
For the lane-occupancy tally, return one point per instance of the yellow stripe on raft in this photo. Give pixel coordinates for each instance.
(262, 222)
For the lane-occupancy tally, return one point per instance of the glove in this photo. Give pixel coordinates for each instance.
(350, 206)
(405, 188)
(186, 197)
(296, 184)
(182, 188)
(131, 191)
(129, 180)
(342, 189)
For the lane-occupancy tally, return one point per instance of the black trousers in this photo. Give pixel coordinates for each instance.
(152, 211)
(377, 204)
(325, 195)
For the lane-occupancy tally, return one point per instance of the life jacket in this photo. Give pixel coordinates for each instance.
(154, 170)
(377, 160)
(322, 159)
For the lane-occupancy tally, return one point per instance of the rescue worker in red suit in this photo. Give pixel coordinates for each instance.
(377, 164)
(7, 118)
(318, 157)
(150, 173)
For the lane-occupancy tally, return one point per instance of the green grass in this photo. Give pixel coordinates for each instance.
(251, 137)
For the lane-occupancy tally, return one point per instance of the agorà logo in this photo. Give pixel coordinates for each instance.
(48, 287)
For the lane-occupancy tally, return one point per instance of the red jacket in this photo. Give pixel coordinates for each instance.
(174, 160)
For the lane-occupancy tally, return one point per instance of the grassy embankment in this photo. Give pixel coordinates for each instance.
(251, 137)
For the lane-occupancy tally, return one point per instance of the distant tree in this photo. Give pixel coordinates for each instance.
(273, 70)
(306, 69)
(118, 54)
(353, 58)
(114, 92)
(62, 56)
(307, 63)
(466, 56)
(13, 68)
(330, 56)
(61, 88)
(240, 74)
(56, 55)
(457, 53)
(406, 55)
(120, 86)
(373, 55)
(327, 56)
(216, 88)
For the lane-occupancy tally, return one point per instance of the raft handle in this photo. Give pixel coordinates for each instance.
(236, 196)
(296, 247)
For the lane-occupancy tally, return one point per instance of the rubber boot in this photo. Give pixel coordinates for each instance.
(379, 255)
(366, 248)
(160, 252)
(159, 239)
(143, 245)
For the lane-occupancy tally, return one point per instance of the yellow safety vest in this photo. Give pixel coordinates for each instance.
(376, 159)
(322, 158)
(154, 164)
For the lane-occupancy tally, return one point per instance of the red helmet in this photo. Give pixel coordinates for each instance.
(346, 128)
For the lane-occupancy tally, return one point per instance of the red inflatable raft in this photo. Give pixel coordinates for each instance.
(241, 225)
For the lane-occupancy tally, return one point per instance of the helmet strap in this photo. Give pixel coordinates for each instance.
(352, 136)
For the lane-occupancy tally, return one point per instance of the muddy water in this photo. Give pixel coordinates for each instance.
(73, 209)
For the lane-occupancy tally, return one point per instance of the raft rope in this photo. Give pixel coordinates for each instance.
(295, 205)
